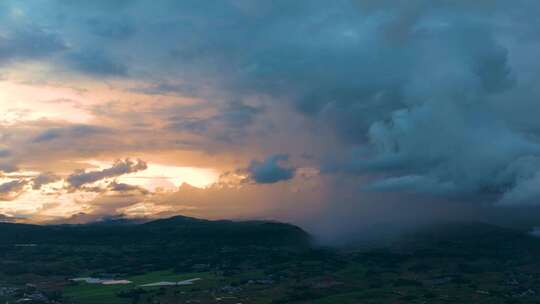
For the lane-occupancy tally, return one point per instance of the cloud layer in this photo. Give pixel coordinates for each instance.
(376, 101)
(120, 167)
(271, 170)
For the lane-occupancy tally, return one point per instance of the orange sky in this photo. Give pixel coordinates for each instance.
(32, 109)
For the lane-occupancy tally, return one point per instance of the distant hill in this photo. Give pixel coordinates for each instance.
(180, 243)
(469, 240)
(117, 221)
(179, 229)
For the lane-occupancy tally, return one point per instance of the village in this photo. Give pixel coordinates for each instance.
(27, 294)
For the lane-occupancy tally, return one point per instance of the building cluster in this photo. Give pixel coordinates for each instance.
(27, 294)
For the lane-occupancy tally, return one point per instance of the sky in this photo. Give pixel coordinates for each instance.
(329, 114)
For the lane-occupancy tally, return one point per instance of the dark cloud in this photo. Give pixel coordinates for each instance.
(271, 170)
(230, 124)
(431, 102)
(370, 70)
(48, 135)
(121, 167)
(122, 187)
(96, 63)
(12, 189)
(44, 178)
(111, 29)
(29, 43)
(175, 89)
(96, 6)
(5, 153)
(73, 131)
(8, 167)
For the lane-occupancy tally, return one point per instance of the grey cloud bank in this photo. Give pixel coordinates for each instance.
(437, 101)
(271, 170)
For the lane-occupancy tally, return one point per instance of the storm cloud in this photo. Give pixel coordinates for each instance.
(29, 42)
(271, 170)
(435, 102)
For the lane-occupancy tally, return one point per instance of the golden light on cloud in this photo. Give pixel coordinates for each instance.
(56, 200)
(50, 201)
(163, 176)
(148, 209)
(169, 177)
(24, 102)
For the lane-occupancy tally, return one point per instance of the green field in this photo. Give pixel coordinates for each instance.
(85, 293)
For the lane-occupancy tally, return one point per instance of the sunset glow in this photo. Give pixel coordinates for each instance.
(306, 113)
(170, 177)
